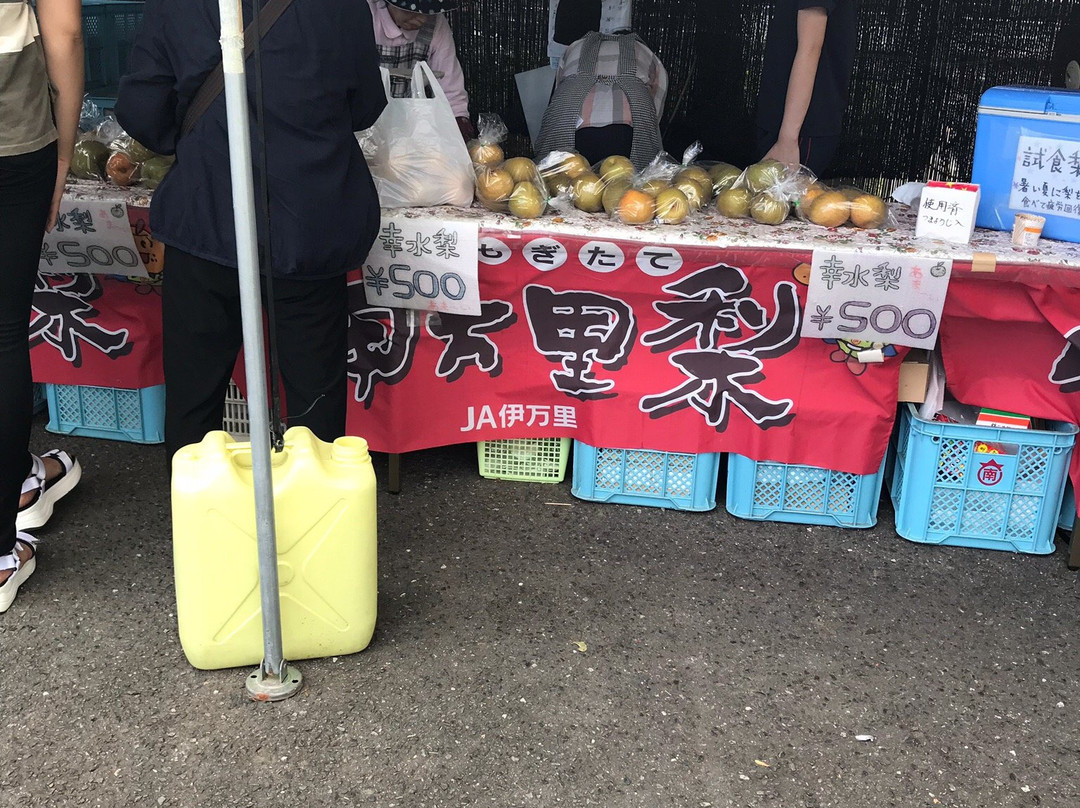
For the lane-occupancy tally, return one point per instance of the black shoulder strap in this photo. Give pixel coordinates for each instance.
(214, 83)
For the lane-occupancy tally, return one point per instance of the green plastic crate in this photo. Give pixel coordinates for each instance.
(534, 460)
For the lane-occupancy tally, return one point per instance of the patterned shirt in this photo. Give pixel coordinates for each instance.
(607, 104)
(25, 98)
(442, 56)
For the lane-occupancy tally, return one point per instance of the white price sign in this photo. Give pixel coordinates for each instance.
(1046, 177)
(425, 265)
(91, 236)
(892, 299)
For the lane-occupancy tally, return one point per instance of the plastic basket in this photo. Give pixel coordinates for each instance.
(1067, 519)
(686, 482)
(979, 486)
(235, 420)
(779, 492)
(108, 35)
(115, 413)
(535, 460)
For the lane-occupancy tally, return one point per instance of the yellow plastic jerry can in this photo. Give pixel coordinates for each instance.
(324, 504)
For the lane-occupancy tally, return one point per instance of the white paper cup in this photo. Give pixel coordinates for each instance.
(1027, 229)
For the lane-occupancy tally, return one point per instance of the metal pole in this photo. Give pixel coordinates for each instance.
(275, 679)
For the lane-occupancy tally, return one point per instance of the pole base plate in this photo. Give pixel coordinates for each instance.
(262, 687)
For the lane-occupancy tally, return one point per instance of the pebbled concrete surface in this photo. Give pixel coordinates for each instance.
(725, 663)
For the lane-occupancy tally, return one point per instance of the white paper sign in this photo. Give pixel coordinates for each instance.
(875, 298)
(425, 265)
(91, 236)
(947, 212)
(1046, 177)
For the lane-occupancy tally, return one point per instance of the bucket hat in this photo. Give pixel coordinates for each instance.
(425, 6)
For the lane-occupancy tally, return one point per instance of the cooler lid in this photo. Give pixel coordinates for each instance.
(1037, 100)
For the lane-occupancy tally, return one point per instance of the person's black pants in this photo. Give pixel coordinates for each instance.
(203, 334)
(595, 143)
(816, 153)
(26, 189)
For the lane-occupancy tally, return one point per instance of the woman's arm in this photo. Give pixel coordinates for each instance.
(60, 22)
(443, 58)
(811, 37)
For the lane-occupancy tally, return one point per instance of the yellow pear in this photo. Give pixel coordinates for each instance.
(734, 202)
(557, 183)
(615, 167)
(672, 206)
(693, 191)
(588, 193)
(655, 185)
(485, 154)
(522, 169)
(526, 201)
(493, 185)
(613, 192)
(698, 174)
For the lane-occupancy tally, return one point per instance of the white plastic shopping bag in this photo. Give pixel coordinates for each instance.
(415, 150)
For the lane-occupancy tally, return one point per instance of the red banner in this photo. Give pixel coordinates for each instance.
(1011, 346)
(99, 330)
(622, 344)
(96, 330)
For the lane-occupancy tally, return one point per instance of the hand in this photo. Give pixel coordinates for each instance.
(466, 127)
(62, 166)
(786, 151)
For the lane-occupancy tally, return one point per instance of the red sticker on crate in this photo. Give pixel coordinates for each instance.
(990, 472)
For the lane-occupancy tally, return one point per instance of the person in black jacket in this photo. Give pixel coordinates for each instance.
(321, 83)
(809, 55)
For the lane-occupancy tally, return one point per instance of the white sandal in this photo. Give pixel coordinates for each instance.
(49, 492)
(21, 570)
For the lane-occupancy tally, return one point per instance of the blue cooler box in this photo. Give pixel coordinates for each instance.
(1014, 124)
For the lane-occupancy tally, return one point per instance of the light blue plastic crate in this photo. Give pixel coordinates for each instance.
(137, 416)
(1068, 510)
(686, 482)
(808, 495)
(947, 488)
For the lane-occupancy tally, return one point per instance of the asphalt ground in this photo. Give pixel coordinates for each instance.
(533, 649)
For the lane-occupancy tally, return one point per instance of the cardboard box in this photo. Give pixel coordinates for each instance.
(914, 376)
(1026, 140)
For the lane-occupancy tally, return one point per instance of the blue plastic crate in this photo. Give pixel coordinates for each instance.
(979, 486)
(686, 482)
(137, 416)
(108, 34)
(1068, 510)
(808, 495)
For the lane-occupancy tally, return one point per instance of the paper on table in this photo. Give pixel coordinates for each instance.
(909, 193)
(534, 88)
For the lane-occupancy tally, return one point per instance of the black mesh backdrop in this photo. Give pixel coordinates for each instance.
(920, 70)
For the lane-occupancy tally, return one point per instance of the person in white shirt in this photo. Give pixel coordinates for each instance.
(411, 31)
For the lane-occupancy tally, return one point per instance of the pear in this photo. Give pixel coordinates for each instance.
(526, 201)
